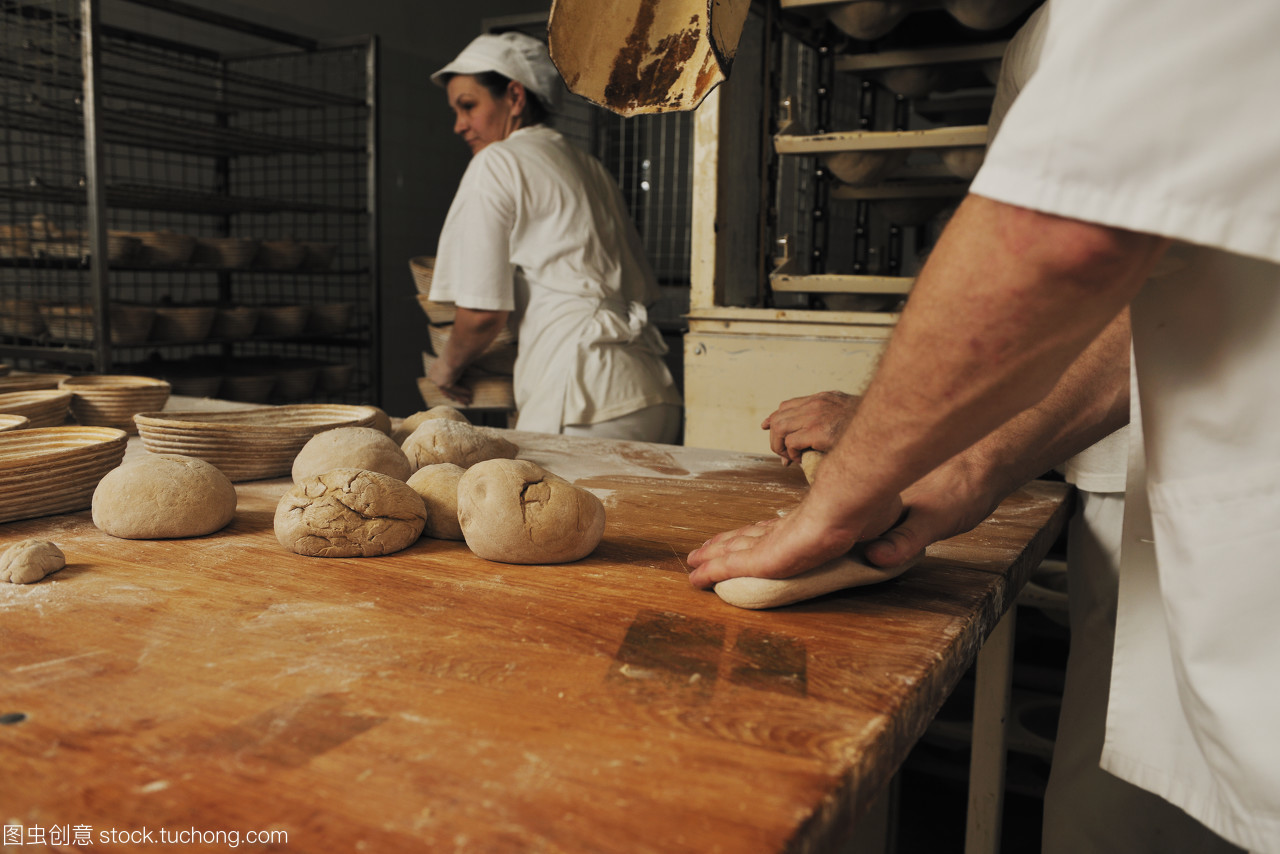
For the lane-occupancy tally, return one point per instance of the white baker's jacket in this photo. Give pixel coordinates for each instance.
(539, 228)
(1160, 117)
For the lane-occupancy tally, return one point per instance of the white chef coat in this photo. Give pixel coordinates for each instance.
(1156, 117)
(540, 229)
(1086, 809)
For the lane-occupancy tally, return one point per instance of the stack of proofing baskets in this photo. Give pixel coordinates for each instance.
(489, 377)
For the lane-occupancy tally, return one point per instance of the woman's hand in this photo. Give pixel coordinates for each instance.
(447, 380)
(815, 421)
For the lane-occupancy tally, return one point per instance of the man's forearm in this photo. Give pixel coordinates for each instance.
(1089, 402)
(1003, 309)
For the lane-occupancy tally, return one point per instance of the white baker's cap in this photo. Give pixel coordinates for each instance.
(512, 55)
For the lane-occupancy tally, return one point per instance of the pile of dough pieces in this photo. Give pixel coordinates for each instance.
(359, 492)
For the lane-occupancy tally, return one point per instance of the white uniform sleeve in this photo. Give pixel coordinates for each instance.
(473, 259)
(1151, 116)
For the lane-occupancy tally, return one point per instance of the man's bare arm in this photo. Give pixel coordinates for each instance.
(1008, 301)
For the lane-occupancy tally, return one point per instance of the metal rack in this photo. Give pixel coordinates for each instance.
(888, 130)
(118, 145)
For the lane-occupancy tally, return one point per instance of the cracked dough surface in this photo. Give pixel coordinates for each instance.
(349, 513)
(515, 511)
(163, 496)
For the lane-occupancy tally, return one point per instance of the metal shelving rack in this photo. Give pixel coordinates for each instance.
(108, 133)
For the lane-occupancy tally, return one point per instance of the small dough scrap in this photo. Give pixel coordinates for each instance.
(351, 448)
(848, 570)
(349, 513)
(438, 486)
(163, 496)
(439, 440)
(414, 421)
(28, 561)
(515, 511)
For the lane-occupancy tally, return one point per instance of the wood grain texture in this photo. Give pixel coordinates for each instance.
(433, 701)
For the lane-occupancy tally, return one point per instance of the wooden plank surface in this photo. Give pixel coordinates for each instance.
(434, 701)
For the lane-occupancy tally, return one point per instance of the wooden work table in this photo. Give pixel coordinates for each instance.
(434, 701)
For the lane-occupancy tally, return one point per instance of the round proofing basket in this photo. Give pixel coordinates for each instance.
(53, 470)
(247, 444)
(43, 407)
(336, 377)
(30, 382)
(329, 318)
(130, 324)
(112, 400)
(235, 321)
(20, 317)
(422, 267)
(183, 322)
(248, 388)
(225, 253)
(163, 248)
(282, 321)
(281, 254)
(14, 422)
(319, 256)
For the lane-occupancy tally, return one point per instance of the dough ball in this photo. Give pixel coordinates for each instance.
(163, 496)
(438, 486)
(30, 560)
(515, 511)
(849, 570)
(351, 448)
(414, 421)
(438, 440)
(349, 513)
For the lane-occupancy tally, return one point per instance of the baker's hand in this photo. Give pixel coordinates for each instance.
(812, 534)
(814, 421)
(447, 380)
(942, 504)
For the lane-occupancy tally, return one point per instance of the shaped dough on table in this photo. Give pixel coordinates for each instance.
(848, 570)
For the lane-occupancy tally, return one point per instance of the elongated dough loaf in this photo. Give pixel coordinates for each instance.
(848, 570)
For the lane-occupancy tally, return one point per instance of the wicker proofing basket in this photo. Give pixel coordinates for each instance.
(422, 267)
(111, 400)
(488, 391)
